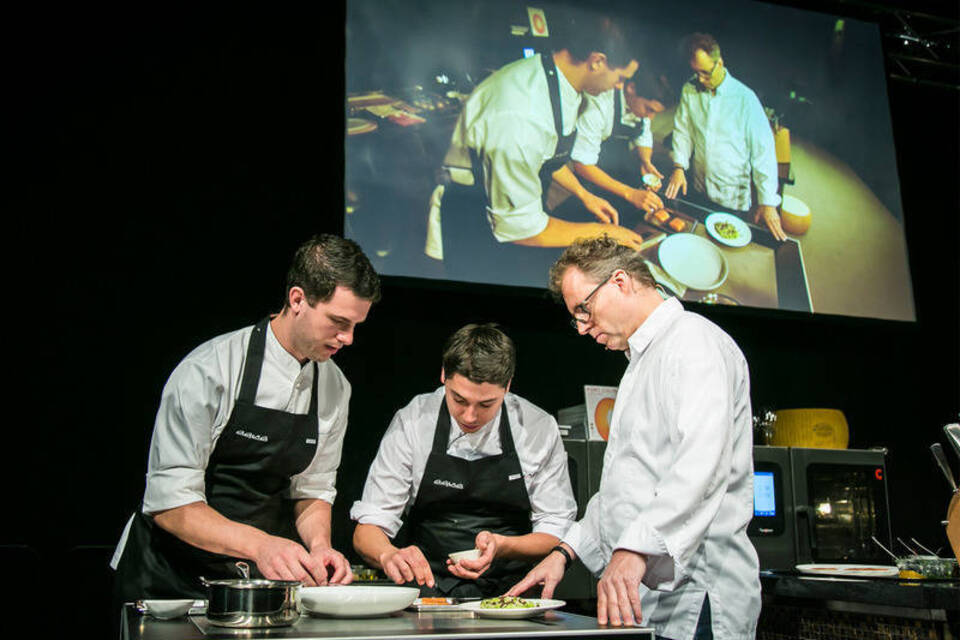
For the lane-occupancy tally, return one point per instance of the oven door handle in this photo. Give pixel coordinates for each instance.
(807, 513)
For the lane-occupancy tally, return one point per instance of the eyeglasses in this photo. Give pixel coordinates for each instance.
(706, 75)
(581, 314)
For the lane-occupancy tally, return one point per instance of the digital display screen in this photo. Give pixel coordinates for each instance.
(792, 202)
(764, 499)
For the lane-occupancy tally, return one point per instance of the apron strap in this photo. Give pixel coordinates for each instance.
(253, 362)
(441, 435)
(554, 86)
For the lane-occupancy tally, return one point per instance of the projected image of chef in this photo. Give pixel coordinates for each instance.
(614, 145)
(513, 136)
(721, 124)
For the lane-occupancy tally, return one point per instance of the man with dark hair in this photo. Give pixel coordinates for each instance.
(514, 135)
(721, 123)
(668, 526)
(614, 146)
(247, 442)
(494, 478)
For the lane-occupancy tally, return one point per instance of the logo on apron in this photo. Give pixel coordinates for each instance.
(252, 436)
(448, 484)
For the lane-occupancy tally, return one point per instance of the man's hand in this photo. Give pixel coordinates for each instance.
(648, 167)
(282, 559)
(486, 542)
(334, 565)
(600, 208)
(678, 182)
(646, 201)
(623, 236)
(770, 218)
(548, 573)
(618, 591)
(407, 564)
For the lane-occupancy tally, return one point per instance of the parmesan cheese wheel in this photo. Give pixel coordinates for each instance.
(813, 428)
(794, 215)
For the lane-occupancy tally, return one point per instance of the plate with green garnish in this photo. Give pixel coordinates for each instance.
(512, 607)
(728, 229)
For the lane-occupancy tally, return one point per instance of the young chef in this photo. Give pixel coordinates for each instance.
(614, 146)
(513, 136)
(247, 442)
(722, 124)
(668, 525)
(467, 466)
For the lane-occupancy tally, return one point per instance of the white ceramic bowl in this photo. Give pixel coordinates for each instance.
(470, 554)
(356, 601)
(167, 609)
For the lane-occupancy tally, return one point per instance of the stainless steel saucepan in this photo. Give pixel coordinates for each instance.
(249, 603)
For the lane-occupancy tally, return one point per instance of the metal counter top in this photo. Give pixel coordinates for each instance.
(406, 624)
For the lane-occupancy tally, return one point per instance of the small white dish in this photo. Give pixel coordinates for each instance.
(167, 609)
(470, 554)
(737, 232)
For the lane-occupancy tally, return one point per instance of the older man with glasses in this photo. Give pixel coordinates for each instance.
(721, 123)
(667, 527)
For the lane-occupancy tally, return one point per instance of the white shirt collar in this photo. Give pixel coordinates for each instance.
(282, 358)
(656, 323)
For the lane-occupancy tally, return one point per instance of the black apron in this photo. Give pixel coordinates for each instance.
(246, 481)
(458, 499)
(470, 251)
(616, 156)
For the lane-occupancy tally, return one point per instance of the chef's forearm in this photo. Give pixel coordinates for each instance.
(202, 526)
(313, 523)
(602, 179)
(531, 546)
(371, 543)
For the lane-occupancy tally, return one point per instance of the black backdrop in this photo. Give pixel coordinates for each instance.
(164, 168)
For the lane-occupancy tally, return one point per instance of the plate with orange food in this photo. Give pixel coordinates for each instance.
(849, 570)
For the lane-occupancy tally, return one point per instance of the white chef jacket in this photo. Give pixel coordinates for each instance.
(677, 481)
(508, 122)
(731, 141)
(595, 125)
(394, 478)
(196, 404)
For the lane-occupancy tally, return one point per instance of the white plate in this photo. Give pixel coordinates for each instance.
(168, 609)
(743, 231)
(540, 605)
(356, 601)
(693, 261)
(849, 570)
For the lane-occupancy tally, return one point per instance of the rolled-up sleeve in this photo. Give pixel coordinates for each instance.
(512, 155)
(584, 538)
(318, 480)
(190, 413)
(645, 139)
(688, 498)
(387, 490)
(552, 505)
(590, 129)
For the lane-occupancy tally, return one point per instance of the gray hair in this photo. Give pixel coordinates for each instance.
(598, 258)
